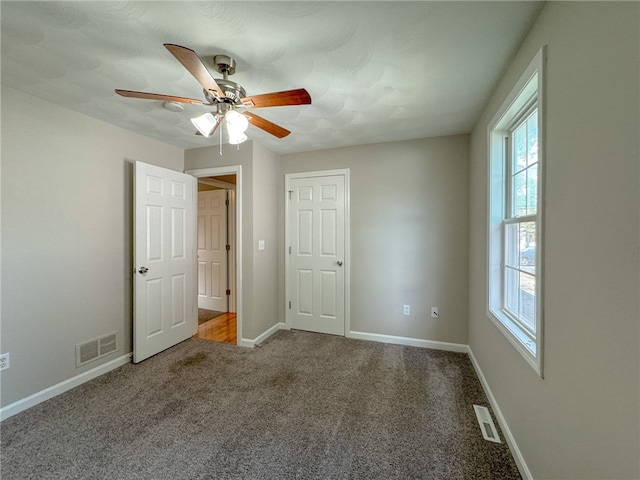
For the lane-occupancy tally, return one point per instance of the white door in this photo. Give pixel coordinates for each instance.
(316, 274)
(163, 260)
(212, 251)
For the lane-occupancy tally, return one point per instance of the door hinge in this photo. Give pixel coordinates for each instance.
(289, 304)
(228, 292)
(289, 250)
(290, 193)
(228, 247)
(226, 202)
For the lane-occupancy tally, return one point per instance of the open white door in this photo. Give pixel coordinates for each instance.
(163, 287)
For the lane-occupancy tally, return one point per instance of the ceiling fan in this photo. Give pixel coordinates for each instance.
(229, 99)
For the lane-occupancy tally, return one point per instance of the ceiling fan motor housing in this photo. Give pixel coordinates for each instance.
(232, 91)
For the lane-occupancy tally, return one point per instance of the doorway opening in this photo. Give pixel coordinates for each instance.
(218, 251)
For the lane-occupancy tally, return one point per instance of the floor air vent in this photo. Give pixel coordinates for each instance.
(96, 348)
(489, 431)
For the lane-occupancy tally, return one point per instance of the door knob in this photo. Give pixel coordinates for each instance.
(143, 270)
(339, 263)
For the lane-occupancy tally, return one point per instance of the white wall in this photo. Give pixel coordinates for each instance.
(582, 420)
(409, 234)
(66, 237)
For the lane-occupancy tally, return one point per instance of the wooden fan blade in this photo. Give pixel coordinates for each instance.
(278, 99)
(266, 125)
(190, 60)
(157, 96)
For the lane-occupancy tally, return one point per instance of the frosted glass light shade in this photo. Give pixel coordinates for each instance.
(237, 139)
(237, 123)
(205, 124)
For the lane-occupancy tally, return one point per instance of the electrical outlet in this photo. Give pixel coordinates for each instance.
(434, 312)
(406, 310)
(4, 361)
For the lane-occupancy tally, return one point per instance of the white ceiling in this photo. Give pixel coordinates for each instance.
(376, 71)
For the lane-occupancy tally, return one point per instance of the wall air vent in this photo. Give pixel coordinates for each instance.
(97, 348)
(487, 427)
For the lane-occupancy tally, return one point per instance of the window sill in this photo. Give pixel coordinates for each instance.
(518, 338)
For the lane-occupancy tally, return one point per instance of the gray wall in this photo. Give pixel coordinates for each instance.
(582, 419)
(265, 221)
(66, 237)
(409, 234)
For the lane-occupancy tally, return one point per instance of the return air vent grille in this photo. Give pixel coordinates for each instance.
(487, 427)
(108, 344)
(98, 347)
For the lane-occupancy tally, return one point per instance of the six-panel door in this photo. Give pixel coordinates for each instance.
(163, 259)
(317, 237)
(212, 253)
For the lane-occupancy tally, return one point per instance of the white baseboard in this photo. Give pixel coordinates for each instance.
(39, 397)
(245, 342)
(411, 342)
(513, 446)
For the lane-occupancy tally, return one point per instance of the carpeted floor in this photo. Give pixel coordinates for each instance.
(301, 406)
(205, 315)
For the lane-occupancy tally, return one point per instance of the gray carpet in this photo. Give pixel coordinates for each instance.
(301, 406)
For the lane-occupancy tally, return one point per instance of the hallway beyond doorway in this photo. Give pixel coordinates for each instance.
(221, 328)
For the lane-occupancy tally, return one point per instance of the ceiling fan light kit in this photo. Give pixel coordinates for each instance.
(206, 123)
(238, 139)
(236, 122)
(229, 99)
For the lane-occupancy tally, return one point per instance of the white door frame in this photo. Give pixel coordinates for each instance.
(212, 172)
(347, 240)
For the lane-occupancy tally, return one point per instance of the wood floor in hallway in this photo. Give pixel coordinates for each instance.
(219, 329)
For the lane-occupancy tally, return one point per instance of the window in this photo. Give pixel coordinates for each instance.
(515, 215)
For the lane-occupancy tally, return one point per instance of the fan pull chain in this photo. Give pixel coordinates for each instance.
(220, 140)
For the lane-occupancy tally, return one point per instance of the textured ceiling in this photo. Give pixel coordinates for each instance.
(376, 71)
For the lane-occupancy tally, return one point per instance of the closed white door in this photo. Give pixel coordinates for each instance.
(316, 275)
(212, 252)
(163, 259)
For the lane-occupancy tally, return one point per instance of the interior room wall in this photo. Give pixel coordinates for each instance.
(409, 234)
(66, 237)
(582, 419)
(265, 263)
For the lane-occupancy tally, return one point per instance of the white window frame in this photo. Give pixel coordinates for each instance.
(526, 95)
